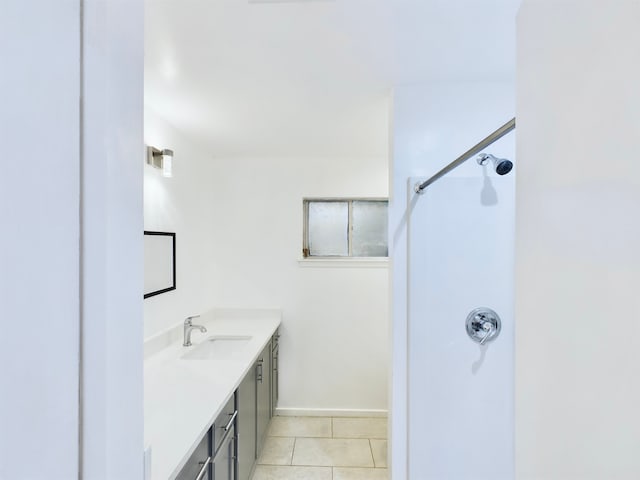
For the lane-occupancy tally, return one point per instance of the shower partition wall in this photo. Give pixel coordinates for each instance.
(460, 257)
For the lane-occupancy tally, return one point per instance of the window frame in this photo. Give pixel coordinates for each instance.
(349, 200)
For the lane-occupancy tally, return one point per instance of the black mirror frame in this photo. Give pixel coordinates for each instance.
(172, 287)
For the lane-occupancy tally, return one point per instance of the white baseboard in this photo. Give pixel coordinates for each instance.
(329, 412)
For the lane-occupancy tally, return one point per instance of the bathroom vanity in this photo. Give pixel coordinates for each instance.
(208, 406)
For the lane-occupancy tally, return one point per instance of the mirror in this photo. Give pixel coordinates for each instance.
(159, 263)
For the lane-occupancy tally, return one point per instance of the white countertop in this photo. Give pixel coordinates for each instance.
(183, 397)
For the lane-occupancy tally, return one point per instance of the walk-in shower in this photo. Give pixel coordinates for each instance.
(460, 316)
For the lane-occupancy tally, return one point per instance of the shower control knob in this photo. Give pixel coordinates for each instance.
(483, 325)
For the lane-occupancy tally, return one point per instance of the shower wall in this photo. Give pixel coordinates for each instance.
(451, 406)
(460, 257)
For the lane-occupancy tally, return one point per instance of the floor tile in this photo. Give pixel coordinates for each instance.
(342, 473)
(336, 452)
(300, 427)
(379, 449)
(277, 451)
(360, 428)
(268, 472)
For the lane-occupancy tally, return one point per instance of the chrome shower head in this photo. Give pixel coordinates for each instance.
(502, 166)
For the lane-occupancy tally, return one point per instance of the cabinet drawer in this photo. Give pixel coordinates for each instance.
(196, 462)
(224, 422)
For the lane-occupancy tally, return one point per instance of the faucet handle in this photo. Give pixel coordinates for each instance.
(190, 318)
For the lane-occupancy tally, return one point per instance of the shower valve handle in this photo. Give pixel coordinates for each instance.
(483, 325)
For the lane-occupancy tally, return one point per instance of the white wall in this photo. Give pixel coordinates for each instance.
(239, 238)
(71, 210)
(578, 238)
(433, 123)
(39, 260)
(111, 219)
(183, 204)
(335, 320)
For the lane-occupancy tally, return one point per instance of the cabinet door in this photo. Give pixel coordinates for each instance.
(246, 425)
(224, 461)
(263, 396)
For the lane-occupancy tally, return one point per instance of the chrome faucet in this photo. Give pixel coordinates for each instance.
(188, 328)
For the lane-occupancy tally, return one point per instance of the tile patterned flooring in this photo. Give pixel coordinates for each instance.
(324, 448)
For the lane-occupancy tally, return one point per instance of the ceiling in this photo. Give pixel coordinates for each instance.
(311, 77)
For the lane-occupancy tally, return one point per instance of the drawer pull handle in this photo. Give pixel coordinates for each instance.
(231, 420)
(229, 435)
(204, 469)
(259, 371)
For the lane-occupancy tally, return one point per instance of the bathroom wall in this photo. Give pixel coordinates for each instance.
(39, 192)
(433, 379)
(184, 204)
(71, 261)
(239, 239)
(334, 340)
(578, 238)
(112, 248)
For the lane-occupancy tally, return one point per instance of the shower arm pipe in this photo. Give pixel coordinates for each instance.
(498, 134)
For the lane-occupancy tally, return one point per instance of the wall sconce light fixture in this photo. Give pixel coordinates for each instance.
(162, 159)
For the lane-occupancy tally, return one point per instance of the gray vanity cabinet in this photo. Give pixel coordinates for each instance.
(231, 447)
(263, 396)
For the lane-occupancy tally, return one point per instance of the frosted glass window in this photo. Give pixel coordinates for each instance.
(328, 227)
(345, 228)
(369, 229)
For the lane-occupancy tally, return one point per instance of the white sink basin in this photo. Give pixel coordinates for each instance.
(217, 346)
